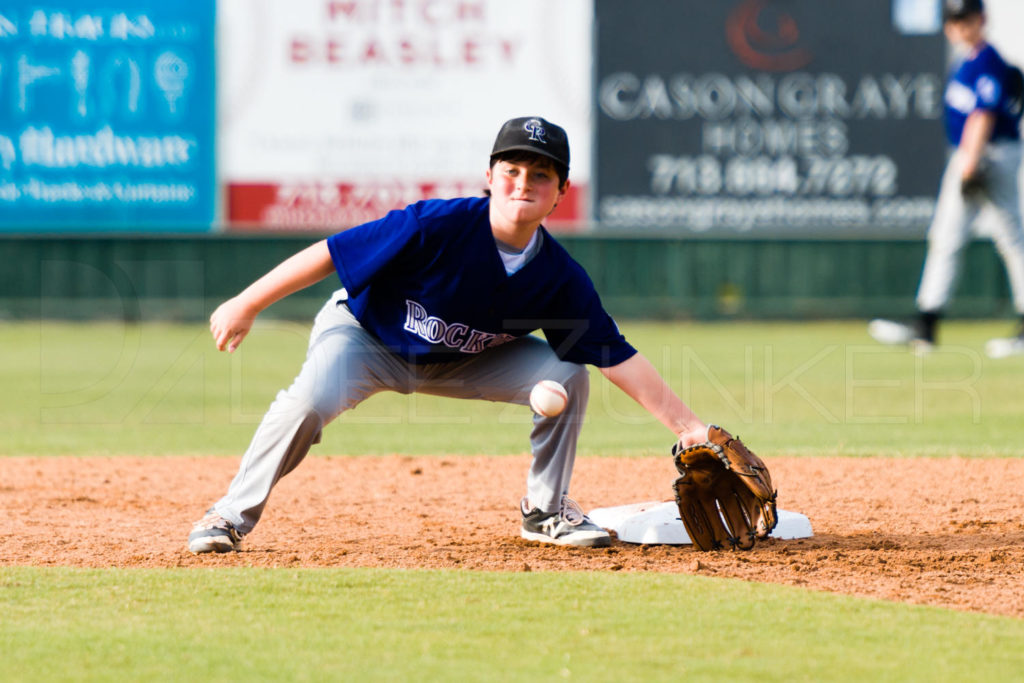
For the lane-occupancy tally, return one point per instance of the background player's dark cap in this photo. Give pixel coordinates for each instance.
(960, 9)
(533, 134)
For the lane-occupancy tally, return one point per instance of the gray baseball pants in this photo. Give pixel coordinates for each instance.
(345, 365)
(951, 228)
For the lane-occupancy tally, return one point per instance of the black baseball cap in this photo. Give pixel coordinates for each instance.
(961, 9)
(533, 134)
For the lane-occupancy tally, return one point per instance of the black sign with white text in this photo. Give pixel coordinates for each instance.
(766, 117)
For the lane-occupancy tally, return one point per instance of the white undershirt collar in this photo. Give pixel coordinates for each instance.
(515, 260)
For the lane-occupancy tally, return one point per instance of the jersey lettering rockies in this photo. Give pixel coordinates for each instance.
(428, 281)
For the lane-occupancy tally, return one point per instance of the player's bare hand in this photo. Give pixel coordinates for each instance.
(695, 435)
(230, 323)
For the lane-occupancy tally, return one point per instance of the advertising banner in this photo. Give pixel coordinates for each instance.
(107, 116)
(768, 117)
(334, 112)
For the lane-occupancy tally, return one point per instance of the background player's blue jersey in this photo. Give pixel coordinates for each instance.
(978, 83)
(428, 281)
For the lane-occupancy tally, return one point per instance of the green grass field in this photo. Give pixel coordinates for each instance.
(364, 625)
(789, 389)
(808, 389)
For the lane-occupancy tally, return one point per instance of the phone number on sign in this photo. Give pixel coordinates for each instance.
(849, 176)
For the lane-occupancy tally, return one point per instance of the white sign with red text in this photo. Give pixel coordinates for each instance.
(333, 112)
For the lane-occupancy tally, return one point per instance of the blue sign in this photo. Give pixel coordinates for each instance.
(107, 116)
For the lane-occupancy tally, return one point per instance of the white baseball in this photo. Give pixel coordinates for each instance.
(548, 398)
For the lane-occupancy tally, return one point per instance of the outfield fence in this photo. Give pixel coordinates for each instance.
(183, 277)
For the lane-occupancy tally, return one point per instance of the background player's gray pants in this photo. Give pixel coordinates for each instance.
(345, 365)
(951, 228)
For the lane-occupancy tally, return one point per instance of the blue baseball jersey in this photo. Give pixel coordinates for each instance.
(428, 281)
(978, 83)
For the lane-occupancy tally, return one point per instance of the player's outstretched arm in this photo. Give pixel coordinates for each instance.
(233, 319)
(641, 381)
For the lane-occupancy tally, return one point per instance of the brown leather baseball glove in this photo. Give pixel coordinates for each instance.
(724, 493)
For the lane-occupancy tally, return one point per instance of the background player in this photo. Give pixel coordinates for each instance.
(441, 298)
(982, 123)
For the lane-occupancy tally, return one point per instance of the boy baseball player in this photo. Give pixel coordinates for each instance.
(982, 124)
(442, 298)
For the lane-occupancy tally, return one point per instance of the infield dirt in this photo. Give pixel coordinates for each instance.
(945, 532)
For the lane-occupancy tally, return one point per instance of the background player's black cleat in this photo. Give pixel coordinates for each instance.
(902, 334)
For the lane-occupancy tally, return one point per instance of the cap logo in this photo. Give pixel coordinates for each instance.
(536, 131)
